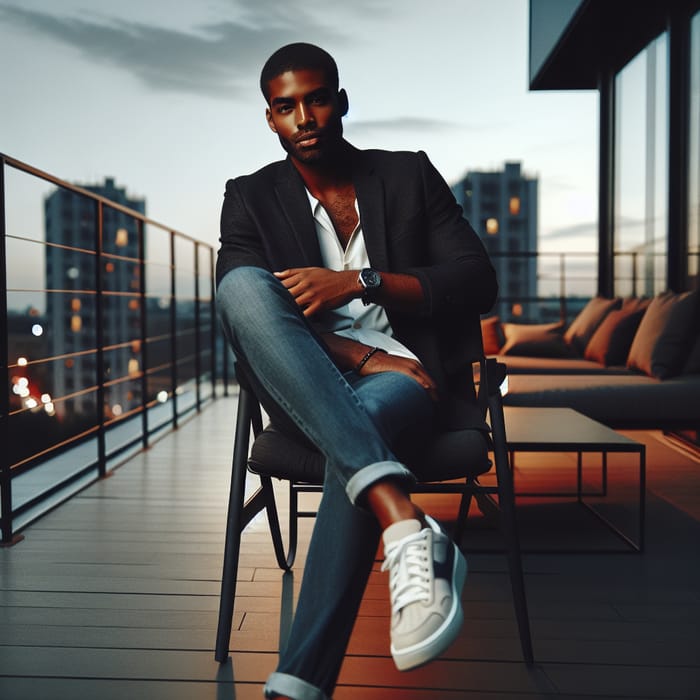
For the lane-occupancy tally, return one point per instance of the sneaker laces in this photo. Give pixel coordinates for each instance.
(409, 561)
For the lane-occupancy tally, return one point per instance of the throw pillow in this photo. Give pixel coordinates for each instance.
(492, 335)
(589, 318)
(535, 340)
(692, 364)
(611, 341)
(662, 341)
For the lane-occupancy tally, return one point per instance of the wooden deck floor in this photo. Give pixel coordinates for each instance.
(114, 595)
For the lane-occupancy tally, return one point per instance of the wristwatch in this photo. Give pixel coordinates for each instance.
(371, 280)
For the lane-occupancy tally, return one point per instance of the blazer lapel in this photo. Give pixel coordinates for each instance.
(295, 204)
(370, 197)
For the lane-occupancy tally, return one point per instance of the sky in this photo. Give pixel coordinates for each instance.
(163, 96)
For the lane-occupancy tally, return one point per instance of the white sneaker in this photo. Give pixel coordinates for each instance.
(426, 577)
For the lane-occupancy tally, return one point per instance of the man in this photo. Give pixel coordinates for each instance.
(344, 281)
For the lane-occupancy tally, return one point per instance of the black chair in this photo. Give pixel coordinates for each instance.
(273, 454)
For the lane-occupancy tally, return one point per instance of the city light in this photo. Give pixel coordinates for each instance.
(37, 330)
(162, 396)
(21, 361)
(117, 409)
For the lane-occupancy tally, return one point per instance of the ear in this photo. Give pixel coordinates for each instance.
(343, 103)
(270, 123)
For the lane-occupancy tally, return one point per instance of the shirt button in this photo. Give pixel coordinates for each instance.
(357, 324)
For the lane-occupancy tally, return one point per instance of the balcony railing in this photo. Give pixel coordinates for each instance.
(109, 336)
(542, 287)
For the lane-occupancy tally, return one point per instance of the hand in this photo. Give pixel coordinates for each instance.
(318, 289)
(384, 362)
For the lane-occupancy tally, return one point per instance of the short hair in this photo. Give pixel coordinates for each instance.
(298, 56)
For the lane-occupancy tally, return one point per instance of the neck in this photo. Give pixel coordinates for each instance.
(330, 173)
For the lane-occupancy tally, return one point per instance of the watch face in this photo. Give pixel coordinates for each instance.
(371, 278)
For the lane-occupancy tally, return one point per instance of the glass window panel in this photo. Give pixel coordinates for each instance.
(641, 170)
(694, 160)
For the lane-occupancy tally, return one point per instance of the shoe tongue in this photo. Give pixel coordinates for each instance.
(403, 528)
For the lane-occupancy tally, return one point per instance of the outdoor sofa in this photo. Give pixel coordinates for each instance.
(628, 363)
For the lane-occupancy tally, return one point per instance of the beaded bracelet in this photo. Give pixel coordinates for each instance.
(369, 354)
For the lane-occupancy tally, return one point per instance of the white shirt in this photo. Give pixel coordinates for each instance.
(367, 324)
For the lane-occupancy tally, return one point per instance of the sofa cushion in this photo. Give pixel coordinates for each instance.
(557, 365)
(692, 364)
(663, 339)
(534, 340)
(621, 401)
(492, 335)
(589, 318)
(611, 341)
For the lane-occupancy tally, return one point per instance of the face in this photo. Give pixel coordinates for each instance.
(305, 112)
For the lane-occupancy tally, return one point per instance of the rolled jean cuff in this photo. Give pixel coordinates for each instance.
(374, 472)
(285, 685)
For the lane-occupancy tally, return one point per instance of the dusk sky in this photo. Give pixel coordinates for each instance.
(163, 96)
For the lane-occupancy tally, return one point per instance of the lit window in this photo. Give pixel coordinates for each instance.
(134, 304)
(514, 206)
(517, 310)
(76, 323)
(492, 226)
(133, 367)
(122, 237)
(75, 305)
(109, 267)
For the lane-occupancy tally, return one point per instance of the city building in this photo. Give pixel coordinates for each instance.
(71, 280)
(502, 207)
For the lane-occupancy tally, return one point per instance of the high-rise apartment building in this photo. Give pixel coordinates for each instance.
(502, 207)
(71, 281)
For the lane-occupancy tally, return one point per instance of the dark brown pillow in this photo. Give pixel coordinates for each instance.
(662, 342)
(611, 341)
(692, 364)
(589, 318)
(492, 334)
(535, 340)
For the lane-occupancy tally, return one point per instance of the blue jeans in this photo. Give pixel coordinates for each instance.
(355, 422)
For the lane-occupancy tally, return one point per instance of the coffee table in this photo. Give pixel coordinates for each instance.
(535, 429)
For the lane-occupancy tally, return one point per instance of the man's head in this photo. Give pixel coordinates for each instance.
(305, 106)
(295, 57)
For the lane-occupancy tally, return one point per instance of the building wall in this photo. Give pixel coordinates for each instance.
(502, 207)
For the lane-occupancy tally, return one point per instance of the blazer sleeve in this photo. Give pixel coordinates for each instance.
(241, 244)
(459, 273)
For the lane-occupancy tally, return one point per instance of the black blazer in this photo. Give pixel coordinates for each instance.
(411, 224)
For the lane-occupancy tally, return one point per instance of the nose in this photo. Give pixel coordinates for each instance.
(304, 116)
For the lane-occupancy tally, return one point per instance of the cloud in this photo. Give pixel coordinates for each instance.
(401, 124)
(216, 59)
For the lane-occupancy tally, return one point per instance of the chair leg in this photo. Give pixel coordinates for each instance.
(284, 561)
(506, 500)
(464, 504)
(233, 528)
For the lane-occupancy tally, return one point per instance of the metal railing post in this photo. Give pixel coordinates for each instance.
(5, 470)
(197, 326)
(173, 330)
(99, 339)
(213, 324)
(141, 230)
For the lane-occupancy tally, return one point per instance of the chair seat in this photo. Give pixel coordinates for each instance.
(452, 455)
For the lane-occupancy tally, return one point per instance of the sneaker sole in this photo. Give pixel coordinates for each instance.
(430, 648)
